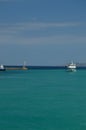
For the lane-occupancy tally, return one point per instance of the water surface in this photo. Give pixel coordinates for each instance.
(43, 100)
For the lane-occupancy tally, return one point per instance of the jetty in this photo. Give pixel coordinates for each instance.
(16, 68)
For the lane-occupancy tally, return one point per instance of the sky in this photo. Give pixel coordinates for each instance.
(42, 32)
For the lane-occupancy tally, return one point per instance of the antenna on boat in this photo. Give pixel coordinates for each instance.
(24, 66)
(24, 63)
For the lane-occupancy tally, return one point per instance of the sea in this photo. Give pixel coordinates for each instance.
(43, 99)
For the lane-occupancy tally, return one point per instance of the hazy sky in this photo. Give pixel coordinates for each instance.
(42, 32)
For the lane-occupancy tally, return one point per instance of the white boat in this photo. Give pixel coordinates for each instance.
(71, 67)
(2, 68)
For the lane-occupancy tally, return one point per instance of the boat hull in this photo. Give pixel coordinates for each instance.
(71, 67)
(2, 69)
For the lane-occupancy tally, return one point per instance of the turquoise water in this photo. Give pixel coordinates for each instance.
(43, 100)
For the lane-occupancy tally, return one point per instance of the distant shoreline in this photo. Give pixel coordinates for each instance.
(13, 67)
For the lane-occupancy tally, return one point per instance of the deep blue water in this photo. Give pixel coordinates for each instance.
(43, 100)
